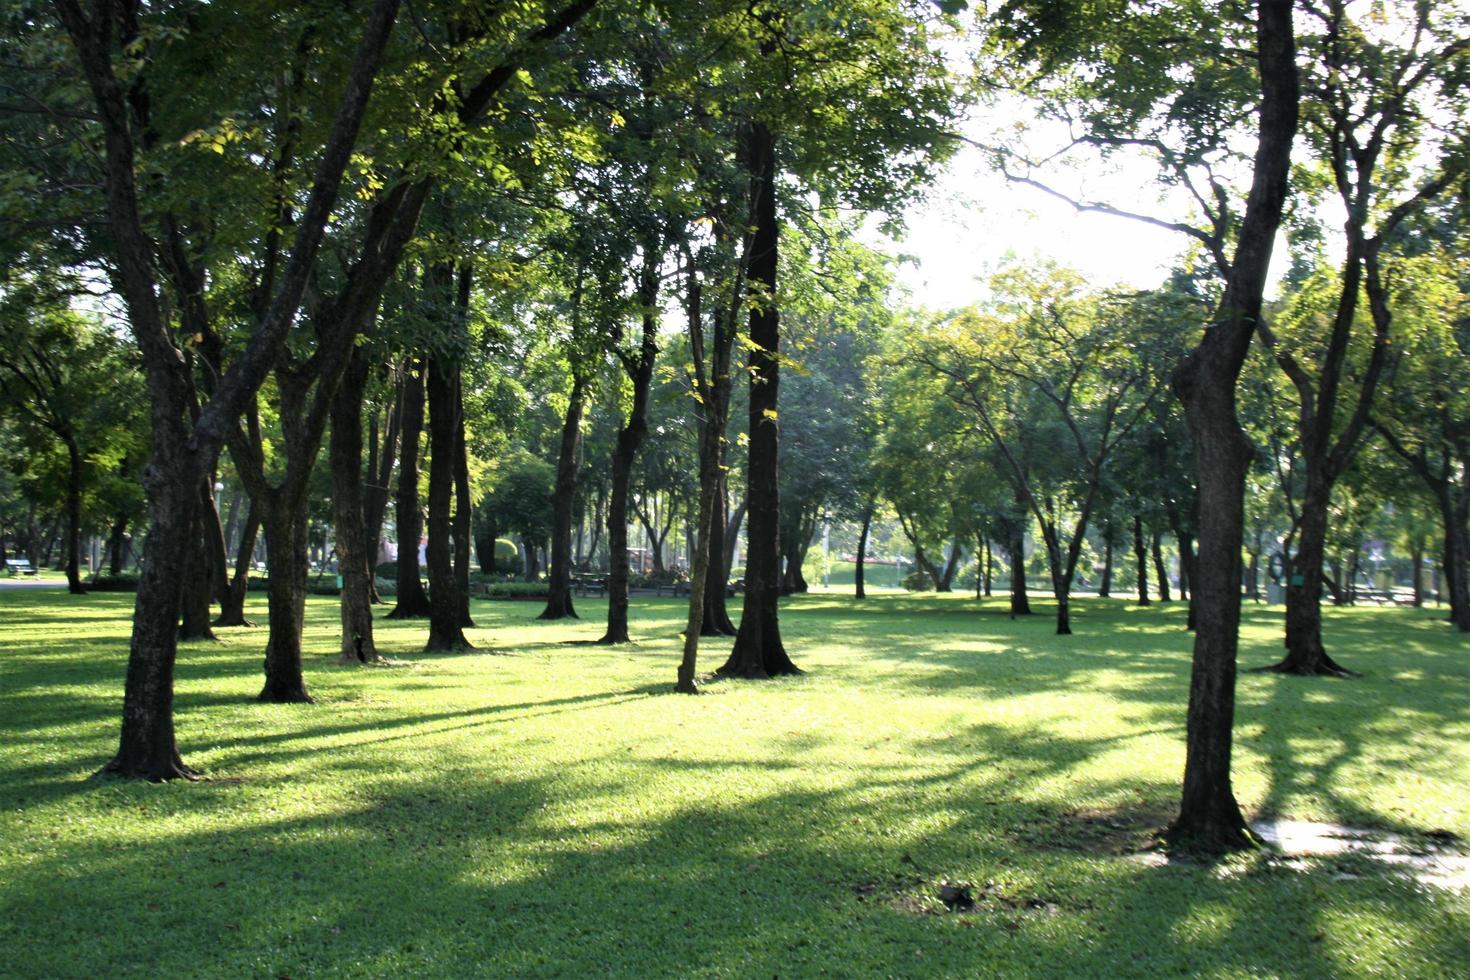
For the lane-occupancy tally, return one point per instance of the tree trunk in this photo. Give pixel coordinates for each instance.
(375, 499)
(463, 511)
(286, 541)
(758, 650)
(1209, 818)
(1140, 558)
(146, 747)
(1161, 568)
(116, 543)
(559, 601)
(232, 609)
(1305, 654)
(198, 576)
(1105, 587)
(716, 619)
(859, 590)
(354, 561)
(74, 517)
(1016, 547)
(1417, 559)
(987, 570)
(413, 603)
(1061, 584)
(445, 634)
(946, 578)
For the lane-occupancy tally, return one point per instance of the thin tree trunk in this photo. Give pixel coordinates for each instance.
(463, 511)
(859, 589)
(716, 619)
(1305, 653)
(1020, 601)
(758, 650)
(445, 634)
(1140, 558)
(1105, 587)
(232, 609)
(116, 542)
(74, 517)
(559, 601)
(353, 559)
(413, 603)
(988, 569)
(375, 500)
(1161, 569)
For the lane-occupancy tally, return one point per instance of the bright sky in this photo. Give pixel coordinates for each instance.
(973, 219)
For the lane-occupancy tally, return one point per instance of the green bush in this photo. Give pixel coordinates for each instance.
(918, 581)
(516, 590)
(387, 586)
(114, 583)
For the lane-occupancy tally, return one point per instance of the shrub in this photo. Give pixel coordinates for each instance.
(114, 583)
(517, 590)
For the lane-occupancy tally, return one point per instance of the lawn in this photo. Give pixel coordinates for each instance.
(541, 808)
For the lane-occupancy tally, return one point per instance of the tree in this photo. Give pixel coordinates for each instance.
(1137, 83)
(1057, 380)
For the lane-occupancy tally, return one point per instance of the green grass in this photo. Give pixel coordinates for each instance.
(547, 809)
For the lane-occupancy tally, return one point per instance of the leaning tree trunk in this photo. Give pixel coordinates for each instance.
(232, 608)
(413, 603)
(445, 634)
(559, 600)
(946, 578)
(859, 590)
(353, 559)
(1209, 817)
(285, 523)
(1061, 584)
(1305, 654)
(758, 650)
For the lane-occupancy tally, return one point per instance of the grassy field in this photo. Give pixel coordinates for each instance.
(539, 808)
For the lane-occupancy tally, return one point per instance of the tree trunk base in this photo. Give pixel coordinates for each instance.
(234, 619)
(402, 611)
(206, 634)
(1309, 663)
(277, 692)
(1214, 836)
(686, 685)
(612, 639)
(152, 770)
(557, 611)
(448, 644)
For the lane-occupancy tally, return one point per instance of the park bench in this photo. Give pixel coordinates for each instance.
(20, 566)
(587, 585)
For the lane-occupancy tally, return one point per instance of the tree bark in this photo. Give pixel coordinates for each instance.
(758, 650)
(1016, 547)
(1209, 818)
(859, 588)
(74, 517)
(1161, 569)
(716, 619)
(232, 609)
(198, 576)
(116, 543)
(639, 368)
(375, 500)
(1105, 587)
(286, 539)
(354, 561)
(559, 601)
(445, 634)
(413, 602)
(1306, 655)
(1140, 559)
(463, 510)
